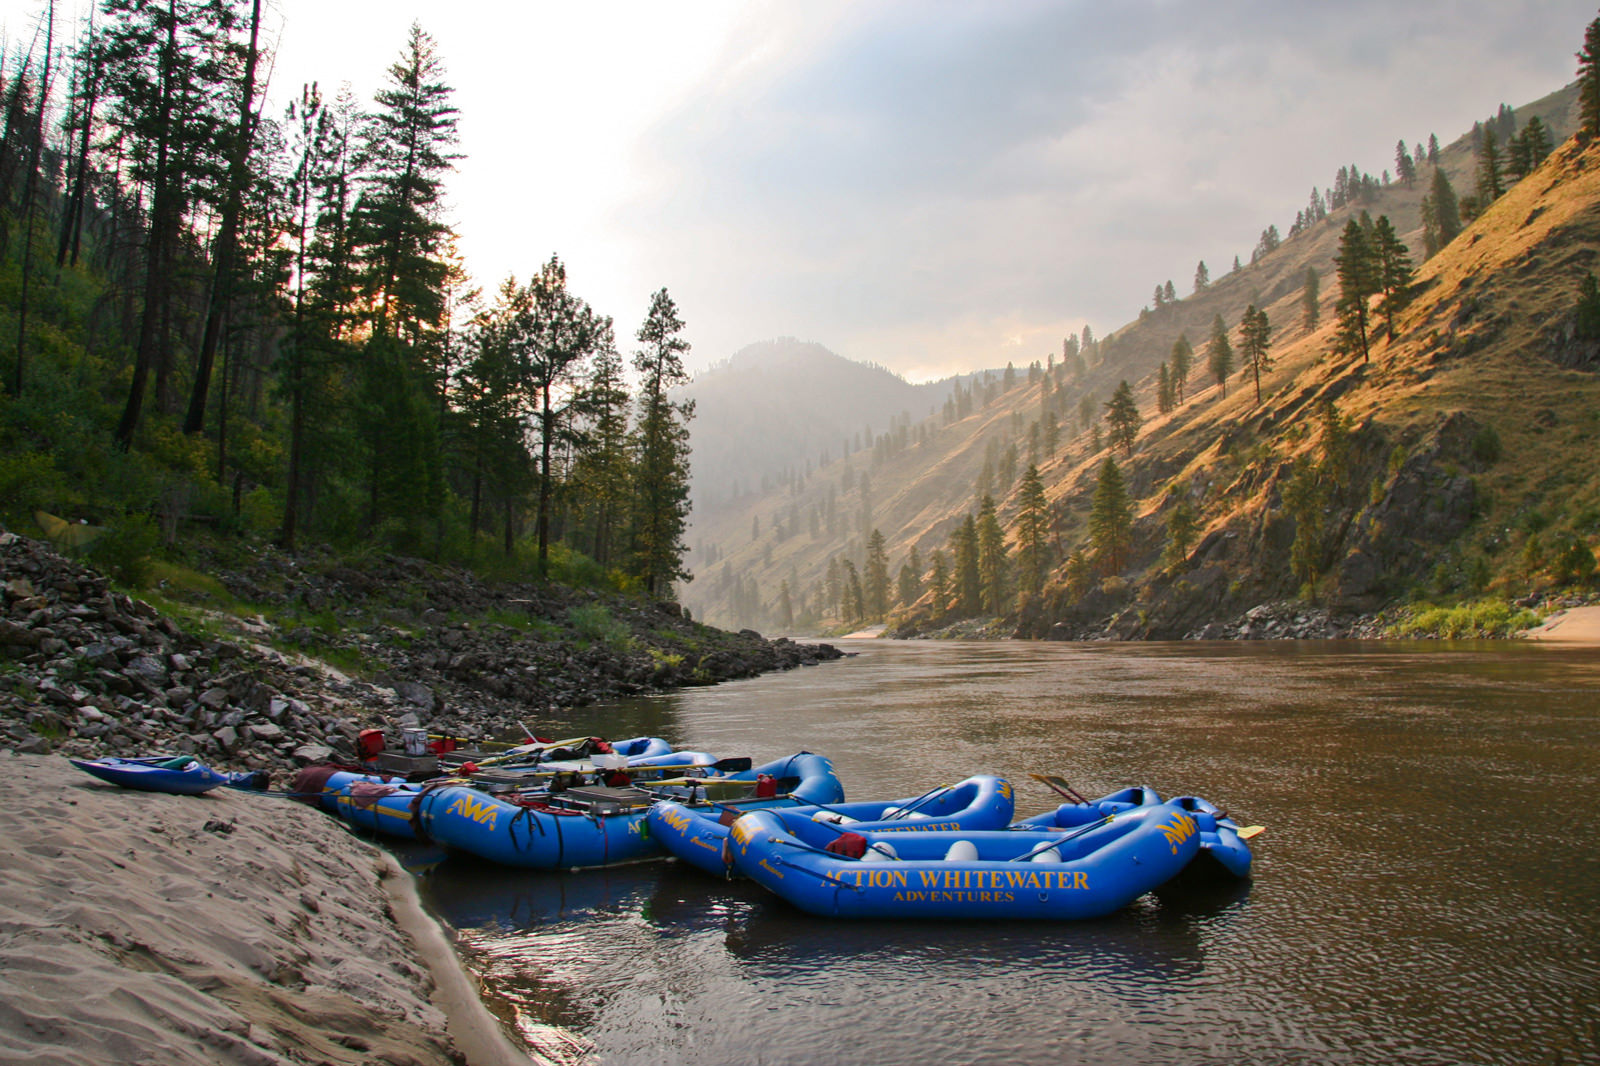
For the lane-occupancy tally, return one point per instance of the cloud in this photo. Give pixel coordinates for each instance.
(918, 183)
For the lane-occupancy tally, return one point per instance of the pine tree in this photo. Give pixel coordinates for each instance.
(1182, 527)
(1589, 82)
(1255, 338)
(993, 566)
(661, 450)
(1357, 270)
(1182, 363)
(1491, 181)
(875, 580)
(1311, 300)
(968, 585)
(600, 474)
(1033, 533)
(939, 581)
(1202, 277)
(1394, 272)
(1122, 415)
(1110, 519)
(1164, 402)
(1219, 354)
(1441, 214)
(1404, 168)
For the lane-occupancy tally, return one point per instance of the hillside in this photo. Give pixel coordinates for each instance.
(1461, 438)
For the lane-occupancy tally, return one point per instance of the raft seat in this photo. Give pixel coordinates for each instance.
(833, 818)
(1047, 855)
(962, 851)
(881, 851)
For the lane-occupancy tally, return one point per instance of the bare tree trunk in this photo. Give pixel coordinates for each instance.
(27, 203)
(227, 234)
(163, 217)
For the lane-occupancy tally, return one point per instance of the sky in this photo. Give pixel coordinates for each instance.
(931, 186)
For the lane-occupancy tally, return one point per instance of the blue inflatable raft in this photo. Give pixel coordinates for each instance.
(1223, 852)
(699, 836)
(182, 775)
(1085, 872)
(589, 825)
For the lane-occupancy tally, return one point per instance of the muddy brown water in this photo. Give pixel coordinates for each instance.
(1427, 890)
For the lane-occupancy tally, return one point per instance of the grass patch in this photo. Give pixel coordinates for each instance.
(595, 624)
(1467, 621)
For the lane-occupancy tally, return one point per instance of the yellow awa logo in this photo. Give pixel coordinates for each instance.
(676, 818)
(483, 811)
(742, 831)
(1181, 829)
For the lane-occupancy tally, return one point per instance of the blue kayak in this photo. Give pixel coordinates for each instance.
(181, 775)
(1088, 871)
(602, 825)
(699, 836)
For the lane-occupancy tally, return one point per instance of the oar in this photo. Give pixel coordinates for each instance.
(1059, 784)
(906, 811)
(733, 764)
(1047, 845)
(530, 749)
(1250, 832)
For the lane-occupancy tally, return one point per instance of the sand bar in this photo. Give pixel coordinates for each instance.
(1576, 625)
(226, 928)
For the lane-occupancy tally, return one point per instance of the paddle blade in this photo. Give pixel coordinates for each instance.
(1250, 832)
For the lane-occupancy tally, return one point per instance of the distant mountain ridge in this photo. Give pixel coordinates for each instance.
(776, 408)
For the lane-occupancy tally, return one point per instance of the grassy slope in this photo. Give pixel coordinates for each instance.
(1473, 342)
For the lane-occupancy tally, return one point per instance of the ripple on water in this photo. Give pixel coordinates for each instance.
(1427, 889)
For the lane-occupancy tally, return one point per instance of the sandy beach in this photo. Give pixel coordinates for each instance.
(1577, 625)
(226, 928)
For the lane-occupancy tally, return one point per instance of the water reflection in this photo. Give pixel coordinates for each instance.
(1427, 889)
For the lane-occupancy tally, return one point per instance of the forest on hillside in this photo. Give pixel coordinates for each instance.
(218, 319)
(1035, 487)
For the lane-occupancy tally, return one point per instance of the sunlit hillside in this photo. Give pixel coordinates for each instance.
(1463, 442)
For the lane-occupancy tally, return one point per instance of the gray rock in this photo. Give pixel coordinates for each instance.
(226, 738)
(313, 753)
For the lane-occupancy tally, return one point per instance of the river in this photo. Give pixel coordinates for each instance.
(1427, 889)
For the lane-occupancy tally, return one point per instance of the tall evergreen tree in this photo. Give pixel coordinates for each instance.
(1311, 300)
(1182, 363)
(939, 581)
(1110, 519)
(397, 229)
(1219, 354)
(1589, 82)
(1202, 277)
(1164, 401)
(993, 566)
(1441, 214)
(1033, 535)
(1122, 415)
(1491, 178)
(1255, 340)
(661, 449)
(1183, 526)
(967, 591)
(601, 471)
(875, 580)
(1394, 272)
(1359, 279)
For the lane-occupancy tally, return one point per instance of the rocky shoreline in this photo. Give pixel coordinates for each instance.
(88, 670)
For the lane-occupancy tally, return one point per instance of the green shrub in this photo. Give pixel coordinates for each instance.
(1485, 618)
(1486, 447)
(595, 623)
(123, 551)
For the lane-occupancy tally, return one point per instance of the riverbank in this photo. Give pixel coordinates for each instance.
(1577, 625)
(226, 928)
